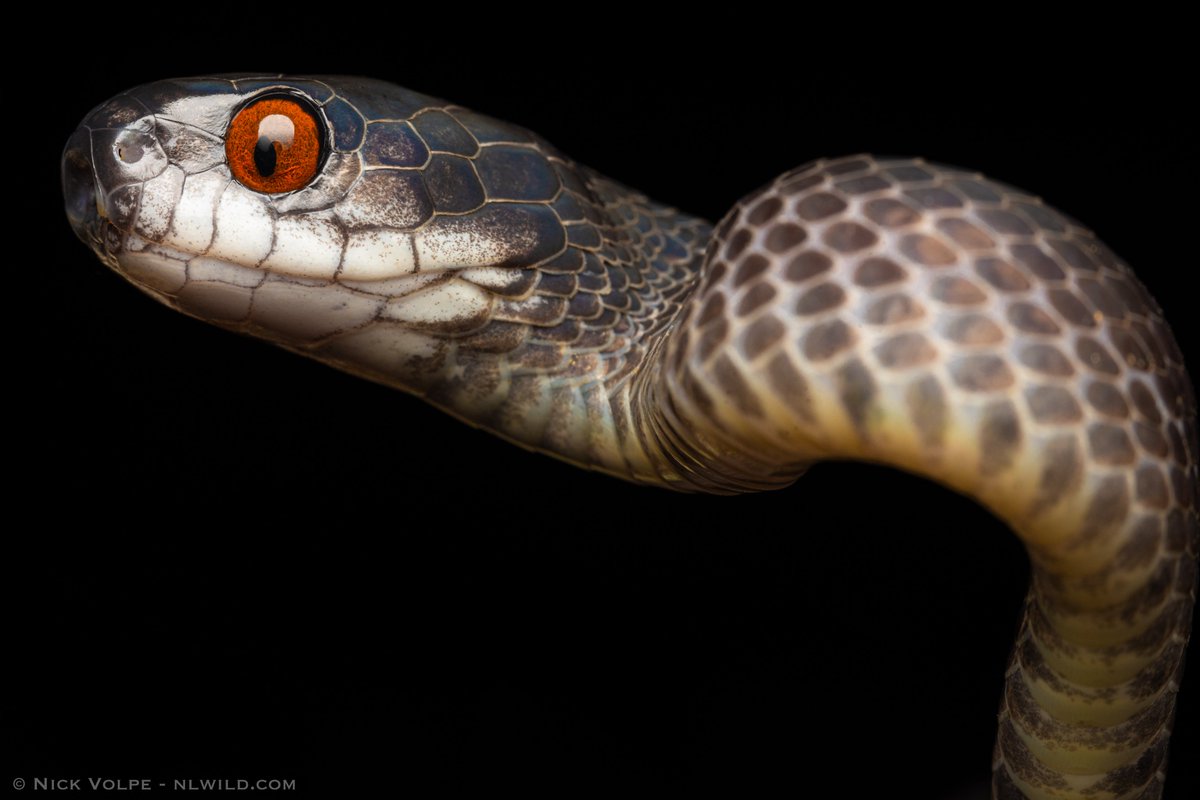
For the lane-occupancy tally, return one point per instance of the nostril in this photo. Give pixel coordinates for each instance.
(130, 152)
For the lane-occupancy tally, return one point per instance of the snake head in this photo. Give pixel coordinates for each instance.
(301, 209)
(386, 233)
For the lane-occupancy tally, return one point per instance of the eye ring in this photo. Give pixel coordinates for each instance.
(276, 143)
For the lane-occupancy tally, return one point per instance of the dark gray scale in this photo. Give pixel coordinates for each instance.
(452, 184)
(393, 144)
(516, 173)
(442, 133)
(347, 125)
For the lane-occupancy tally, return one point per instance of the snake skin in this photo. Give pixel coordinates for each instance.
(887, 310)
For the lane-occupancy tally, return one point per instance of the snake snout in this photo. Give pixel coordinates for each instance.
(79, 188)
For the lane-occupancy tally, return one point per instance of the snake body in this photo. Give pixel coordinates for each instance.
(881, 309)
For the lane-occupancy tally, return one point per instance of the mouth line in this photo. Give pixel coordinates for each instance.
(163, 271)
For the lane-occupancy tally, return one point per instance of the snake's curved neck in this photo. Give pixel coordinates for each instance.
(1090, 689)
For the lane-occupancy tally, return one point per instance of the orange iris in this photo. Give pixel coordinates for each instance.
(273, 145)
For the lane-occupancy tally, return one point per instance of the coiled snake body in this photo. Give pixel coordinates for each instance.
(888, 310)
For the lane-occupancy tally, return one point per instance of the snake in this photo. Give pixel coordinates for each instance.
(889, 310)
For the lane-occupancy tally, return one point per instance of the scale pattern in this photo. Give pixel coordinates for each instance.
(925, 317)
(888, 310)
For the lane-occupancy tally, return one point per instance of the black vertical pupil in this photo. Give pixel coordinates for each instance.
(264, 156)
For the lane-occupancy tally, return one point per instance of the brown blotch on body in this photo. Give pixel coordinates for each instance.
(790, 386)
(964, 234)
(713, 338)
(807, 265)
(1151, 487)
(957, 291)
(822, 297)
(1002, 275)
(828, 339)
(1061, 473)
(1071, 308)
(762, 334)
(730, 380)
(759, 295)
(1107, 399)
(784, 236)
(1110, 445)
(1005, 223)
(1053, 405)
(1101, 298)
(890, 213)
(973, 330)
(1074, 255)
(819, 206)
(737, 243)
(1029, 318)
(751, 267)
(1096, 357)
(1151, 439)
(926, 404)
(764, 210)
(1037, 262)
(849, 237)
(927, 251)
(893, 309)
(1129, 348)
(999, 438)
(905, 351)
(877, 271)
(716, 274)
(1143, 544)
(1144, 402)
(1046, 359)
(856, 388)
(981, 373)
(714, 307)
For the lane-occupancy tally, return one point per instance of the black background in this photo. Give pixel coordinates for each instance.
(235, 563)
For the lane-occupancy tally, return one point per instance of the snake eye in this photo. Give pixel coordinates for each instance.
(274, 144)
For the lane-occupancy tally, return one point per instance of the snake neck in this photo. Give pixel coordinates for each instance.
(828, 326)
